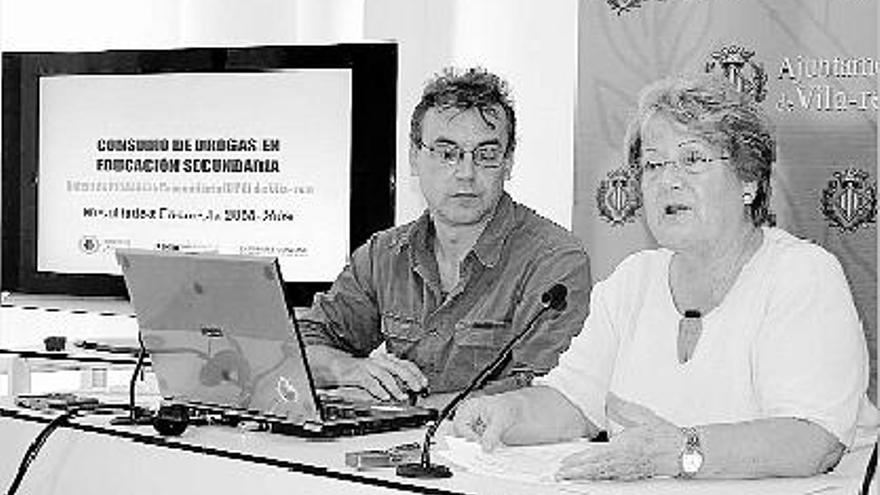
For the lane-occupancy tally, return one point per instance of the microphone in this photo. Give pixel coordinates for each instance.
(553, 299)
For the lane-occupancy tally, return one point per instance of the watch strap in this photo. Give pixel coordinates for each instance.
(692, 447)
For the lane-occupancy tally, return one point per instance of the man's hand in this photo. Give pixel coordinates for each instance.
(648, 446)
(485, 420)
(383, 375)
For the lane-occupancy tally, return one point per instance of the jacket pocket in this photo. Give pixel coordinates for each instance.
(481, 333)
(478, 342)
(402, 333)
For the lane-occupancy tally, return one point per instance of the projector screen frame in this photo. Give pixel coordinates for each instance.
(372, 160)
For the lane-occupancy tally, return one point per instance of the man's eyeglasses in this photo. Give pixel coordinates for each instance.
(489, 156)
(691, 162)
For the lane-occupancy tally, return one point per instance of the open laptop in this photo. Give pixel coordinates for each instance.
(222, 341)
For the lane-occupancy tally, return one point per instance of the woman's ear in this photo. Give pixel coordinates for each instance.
(750, 190)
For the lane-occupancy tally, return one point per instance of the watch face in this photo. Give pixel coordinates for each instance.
(691, 462)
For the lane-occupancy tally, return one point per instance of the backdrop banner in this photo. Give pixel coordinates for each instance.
(814, 68)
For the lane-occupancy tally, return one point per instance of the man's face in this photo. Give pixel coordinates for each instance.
(461, 192)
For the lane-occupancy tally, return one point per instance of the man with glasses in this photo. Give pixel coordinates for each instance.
(447, 291)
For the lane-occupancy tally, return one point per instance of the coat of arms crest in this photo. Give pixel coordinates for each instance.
(849, 200)
(736, 64)
(621, 6)
(618, 197)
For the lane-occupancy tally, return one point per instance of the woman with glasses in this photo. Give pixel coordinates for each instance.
(732, 351)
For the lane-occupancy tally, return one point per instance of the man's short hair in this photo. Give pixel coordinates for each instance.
(474, 87)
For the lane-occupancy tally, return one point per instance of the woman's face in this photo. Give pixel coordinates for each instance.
(692, 197)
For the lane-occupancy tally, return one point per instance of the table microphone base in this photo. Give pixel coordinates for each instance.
(418, 470)
(139, 416)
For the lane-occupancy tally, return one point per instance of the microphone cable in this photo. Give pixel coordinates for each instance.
(35, 447)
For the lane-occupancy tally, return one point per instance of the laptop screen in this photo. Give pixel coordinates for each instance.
(218, 331)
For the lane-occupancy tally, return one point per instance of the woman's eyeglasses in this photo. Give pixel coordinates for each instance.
(689, 329)
(690, 162)
(488, 156)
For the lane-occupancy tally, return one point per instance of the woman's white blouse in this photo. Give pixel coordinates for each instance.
(786, 341)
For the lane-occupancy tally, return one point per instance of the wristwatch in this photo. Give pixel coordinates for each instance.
(691, 458)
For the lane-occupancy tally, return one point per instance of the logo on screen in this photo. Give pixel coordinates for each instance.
(89, 244)
(286, 390)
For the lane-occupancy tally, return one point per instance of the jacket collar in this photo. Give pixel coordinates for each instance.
(420, 235)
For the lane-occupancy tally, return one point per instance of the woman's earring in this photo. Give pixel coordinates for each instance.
(747, 198)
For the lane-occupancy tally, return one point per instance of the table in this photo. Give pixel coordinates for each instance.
(92, 456)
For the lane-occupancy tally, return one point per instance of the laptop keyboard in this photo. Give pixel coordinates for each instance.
(341, 418)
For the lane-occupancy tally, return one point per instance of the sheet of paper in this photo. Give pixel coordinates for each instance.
(533, 463)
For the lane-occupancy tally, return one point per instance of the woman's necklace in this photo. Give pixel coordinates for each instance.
(690, 326)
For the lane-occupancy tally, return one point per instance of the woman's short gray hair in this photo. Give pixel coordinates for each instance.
(711, 107)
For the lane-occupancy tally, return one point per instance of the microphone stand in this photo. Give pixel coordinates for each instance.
(136, 415)
(424, 468)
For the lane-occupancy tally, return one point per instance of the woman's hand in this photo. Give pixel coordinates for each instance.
(524, 416)
(648, 446)
(485, 420)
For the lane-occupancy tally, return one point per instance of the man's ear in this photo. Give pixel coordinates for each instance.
(508, 167)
